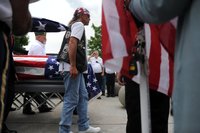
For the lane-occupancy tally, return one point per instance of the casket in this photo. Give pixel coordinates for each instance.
(40, 74)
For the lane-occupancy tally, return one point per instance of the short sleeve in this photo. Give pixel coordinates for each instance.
(77, 30)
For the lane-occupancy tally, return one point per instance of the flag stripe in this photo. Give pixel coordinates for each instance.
(22, 76)
(163, 85)
(30, 70)
(118, 37)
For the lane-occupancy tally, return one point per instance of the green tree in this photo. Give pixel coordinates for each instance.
(20, 42)
(94, 43)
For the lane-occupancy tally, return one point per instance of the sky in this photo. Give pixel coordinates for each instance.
(62, 11)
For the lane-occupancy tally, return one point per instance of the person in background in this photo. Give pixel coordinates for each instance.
(186, 70)
(37, 48)
(15, 18)
(110, 82)
(76, 95)
(98, 68)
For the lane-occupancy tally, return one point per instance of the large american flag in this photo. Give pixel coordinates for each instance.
(118, 37)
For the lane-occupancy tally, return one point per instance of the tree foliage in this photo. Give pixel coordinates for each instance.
(20, 42)
(94, 43)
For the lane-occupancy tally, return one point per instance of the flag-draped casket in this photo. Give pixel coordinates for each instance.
(118, 38)
(46, 68)
(36, 67)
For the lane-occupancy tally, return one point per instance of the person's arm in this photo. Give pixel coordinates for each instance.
(73, 42)
(120, 79)
(92, 55)
(157, 11)
(21, 20)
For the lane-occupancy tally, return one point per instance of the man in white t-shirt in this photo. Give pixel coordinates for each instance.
(76, 95)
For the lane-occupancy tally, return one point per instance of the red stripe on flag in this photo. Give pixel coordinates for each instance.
(21, 76)
(30, 64)
(154, 58)
(106, 48)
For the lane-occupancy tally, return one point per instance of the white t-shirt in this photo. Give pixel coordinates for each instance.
(37, 48)
(6, 12)
(77, 30)
(97, 64)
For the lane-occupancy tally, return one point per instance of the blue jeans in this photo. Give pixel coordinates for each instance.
(76, 95)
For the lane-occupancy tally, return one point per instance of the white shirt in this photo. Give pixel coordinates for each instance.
(77, 30)
(109, 71)
(97, 64)
(6, 12)
(37, 48)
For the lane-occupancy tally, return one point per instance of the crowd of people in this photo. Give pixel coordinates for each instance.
(186, 68)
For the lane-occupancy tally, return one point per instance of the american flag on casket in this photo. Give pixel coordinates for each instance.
(46, 67)
(36, 67)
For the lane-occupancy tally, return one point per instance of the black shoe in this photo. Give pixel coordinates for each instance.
(44, 109)
(28, 112)
(99, 98)
(8, 131)
(112, 95)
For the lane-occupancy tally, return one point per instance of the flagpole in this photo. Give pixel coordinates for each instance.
(144, 85)
(144, 101)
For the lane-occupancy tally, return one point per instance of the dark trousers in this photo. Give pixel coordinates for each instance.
(10, 92)
(110, 84)
(4, 64)
(159, 106)
(100, 81)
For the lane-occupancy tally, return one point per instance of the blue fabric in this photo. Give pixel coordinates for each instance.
(75, 95)
(51, 68)
(91, 83)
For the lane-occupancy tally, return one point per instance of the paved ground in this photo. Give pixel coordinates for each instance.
(107, 113)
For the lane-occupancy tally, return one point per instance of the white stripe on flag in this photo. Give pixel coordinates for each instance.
(30, 70)
(113, 27)
(114, 64)
(164, 71)
(35, 59)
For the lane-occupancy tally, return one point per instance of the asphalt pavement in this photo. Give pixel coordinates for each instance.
(107, 113)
